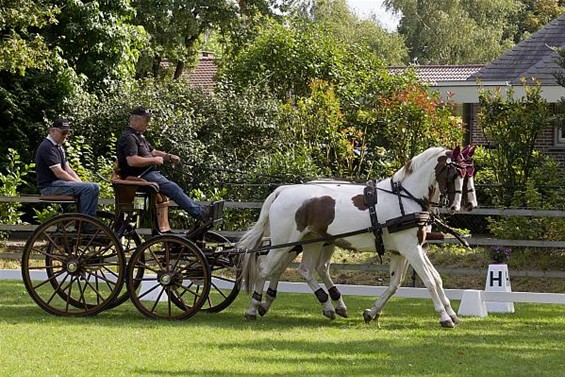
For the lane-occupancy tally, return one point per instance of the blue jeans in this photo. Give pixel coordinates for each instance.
(174, 192)
(87, 193)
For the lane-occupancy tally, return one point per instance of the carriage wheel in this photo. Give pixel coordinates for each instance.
(175, 281)
(130, 240)
(225, 275)
(68, 271)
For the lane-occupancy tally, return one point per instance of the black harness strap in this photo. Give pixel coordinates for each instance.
(371, 199)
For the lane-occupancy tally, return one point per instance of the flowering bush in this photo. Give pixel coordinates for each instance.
(500, 254)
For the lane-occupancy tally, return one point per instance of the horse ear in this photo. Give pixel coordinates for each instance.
(471, 150)
(456, 153)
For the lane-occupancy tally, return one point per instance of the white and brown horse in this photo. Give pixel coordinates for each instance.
(299, 213)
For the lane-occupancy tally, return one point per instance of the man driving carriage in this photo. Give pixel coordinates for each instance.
(137, 158)
(54, 174)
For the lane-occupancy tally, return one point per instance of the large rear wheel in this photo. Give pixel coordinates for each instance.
(175, 279)
(73, 265)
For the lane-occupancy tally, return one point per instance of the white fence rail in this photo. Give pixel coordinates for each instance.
(371, 291)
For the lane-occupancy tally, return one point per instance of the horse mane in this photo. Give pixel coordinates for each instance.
(417, 162)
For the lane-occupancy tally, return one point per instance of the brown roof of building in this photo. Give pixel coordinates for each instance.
(203, 75)
(531, 58)
(434, 73)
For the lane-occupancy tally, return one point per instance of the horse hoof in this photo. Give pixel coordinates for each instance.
(329, 314)
(456, 320)
(342, 312)
(251, 317)
(447, 324)
(262, 311)
(367, 316)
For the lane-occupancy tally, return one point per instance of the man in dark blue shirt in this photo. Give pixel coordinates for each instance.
(54, 174)
(136, 157)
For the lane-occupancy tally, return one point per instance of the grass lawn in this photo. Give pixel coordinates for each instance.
(292, 340)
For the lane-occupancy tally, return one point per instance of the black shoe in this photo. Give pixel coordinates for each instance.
(207, 214)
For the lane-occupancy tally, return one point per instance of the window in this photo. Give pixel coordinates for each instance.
(560, 131)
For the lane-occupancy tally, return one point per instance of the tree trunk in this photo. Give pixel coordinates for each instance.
(179, 69)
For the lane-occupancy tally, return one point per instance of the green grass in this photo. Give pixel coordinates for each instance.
(292, 340)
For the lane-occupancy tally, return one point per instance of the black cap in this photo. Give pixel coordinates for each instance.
(142, 111)
(61, 124)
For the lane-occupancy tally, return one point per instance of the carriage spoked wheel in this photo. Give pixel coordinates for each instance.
(225, 275)
(130, 240)
(175, 281)
(73, 265)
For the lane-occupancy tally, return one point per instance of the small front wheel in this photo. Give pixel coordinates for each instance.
(225, 274)
(175, 278)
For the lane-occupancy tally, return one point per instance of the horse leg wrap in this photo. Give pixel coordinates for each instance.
(334, 293)
(321, 295)
(257, 296)
(266, 305)
(272, 292)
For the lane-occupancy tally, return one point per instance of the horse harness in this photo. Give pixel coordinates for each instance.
(397, 224)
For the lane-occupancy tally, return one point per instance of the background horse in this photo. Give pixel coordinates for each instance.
(305, 212)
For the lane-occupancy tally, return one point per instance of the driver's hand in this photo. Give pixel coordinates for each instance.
(174, 159)
(158, 160)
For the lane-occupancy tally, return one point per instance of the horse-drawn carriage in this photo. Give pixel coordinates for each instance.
(76, 265)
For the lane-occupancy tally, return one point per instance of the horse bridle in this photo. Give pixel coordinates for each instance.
(450, 170)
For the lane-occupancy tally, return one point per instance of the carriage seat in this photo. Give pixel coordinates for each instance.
(63, 199)
(125, 191)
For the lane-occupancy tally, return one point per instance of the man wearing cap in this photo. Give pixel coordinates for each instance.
(136, 157)
(54, 174)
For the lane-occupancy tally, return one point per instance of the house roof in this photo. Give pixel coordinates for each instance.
(203, 75)
(532, 57)
(434, 73)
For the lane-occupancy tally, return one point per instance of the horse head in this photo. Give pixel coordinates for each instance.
(450, 173)
(469, 199)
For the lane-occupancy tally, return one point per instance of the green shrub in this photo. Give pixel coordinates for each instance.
(12, 180)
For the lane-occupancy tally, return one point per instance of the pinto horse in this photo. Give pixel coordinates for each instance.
(315, 216)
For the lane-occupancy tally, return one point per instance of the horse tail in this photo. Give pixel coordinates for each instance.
(250, 241)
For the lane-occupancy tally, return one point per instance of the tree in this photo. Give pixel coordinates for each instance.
(511, 127)
(177, 27)
(455, 31)
(284, 59)
(336, 17)
(22, 47)
(82, 48)
(535, 14)
(97, 40)
(364, 107)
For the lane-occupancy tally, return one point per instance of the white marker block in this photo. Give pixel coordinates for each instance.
(472, 304)
(498, 280)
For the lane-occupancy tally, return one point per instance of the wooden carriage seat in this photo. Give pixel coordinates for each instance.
(125, 191)
(65, 202)
(63, 199)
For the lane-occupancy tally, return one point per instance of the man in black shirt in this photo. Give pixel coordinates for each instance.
(54, 174)
(136, 157)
